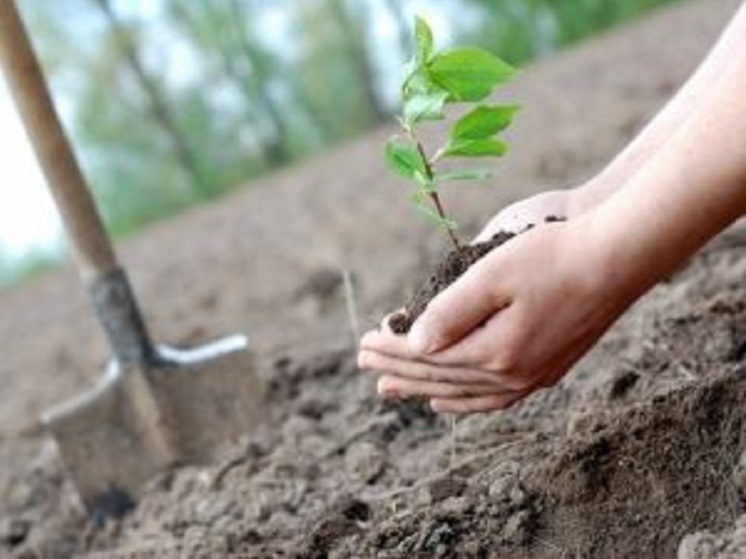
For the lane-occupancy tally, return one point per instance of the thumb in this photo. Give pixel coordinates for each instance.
(455, 312)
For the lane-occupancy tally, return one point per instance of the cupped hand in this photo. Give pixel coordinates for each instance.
(520, 215)
(515, 322)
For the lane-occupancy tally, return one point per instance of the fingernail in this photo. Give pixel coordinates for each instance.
(383, 386)
(418, 339)
(367, 337)
(362, 362)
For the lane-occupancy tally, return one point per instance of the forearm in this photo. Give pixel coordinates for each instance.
(692, 189)
(675, 113)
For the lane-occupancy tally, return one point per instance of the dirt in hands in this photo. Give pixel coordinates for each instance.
(455, 263)
(447, 271)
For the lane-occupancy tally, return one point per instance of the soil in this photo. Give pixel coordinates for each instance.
(448, 270)
(639, 452)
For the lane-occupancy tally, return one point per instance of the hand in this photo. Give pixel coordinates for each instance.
(567, 204)
(534, 210)
(515, 322)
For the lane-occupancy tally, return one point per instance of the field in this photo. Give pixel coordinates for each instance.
(639, 452)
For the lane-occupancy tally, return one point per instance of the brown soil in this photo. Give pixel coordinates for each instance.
(448, 270)
(639, 452)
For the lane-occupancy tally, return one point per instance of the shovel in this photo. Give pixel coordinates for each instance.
(155, 406)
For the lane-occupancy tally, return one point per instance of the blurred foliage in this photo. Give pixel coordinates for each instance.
(18, 269)
(521, 30)
(171, 103)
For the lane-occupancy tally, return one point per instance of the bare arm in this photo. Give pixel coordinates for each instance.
(675, 113)
(485, 342)
(646, 144)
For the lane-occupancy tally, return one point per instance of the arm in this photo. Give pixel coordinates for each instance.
(574, 202)
(675, 113)
(583, 273)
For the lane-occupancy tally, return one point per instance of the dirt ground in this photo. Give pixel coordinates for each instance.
(639, 452)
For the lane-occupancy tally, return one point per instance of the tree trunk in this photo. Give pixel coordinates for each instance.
(158, 107)
(362, 59)
(277, 149)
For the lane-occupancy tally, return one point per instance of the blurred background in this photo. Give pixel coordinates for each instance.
(171, 104)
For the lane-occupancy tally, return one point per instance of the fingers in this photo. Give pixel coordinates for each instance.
(476, 404)
(495, 346)
(389, 385)
(456, 311)
(417, 370)
(516, 217)
(386, 342)
(546, 379)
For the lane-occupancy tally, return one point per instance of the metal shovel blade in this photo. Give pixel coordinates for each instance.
(141, 420)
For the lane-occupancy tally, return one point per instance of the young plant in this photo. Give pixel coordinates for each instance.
(433, 80)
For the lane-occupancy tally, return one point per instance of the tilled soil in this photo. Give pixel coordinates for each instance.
(639, 452)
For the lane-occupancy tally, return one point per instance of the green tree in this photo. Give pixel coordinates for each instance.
(125, 37)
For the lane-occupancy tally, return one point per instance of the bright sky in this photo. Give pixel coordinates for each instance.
(28, 219)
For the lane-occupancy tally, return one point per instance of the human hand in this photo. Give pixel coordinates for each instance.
(515, 322)
(525, 213)
(562, 204)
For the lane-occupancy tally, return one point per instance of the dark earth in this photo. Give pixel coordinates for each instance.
(448, 270)
(451, 267)
(639, 452)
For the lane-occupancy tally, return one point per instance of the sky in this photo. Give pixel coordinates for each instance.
(28, 219)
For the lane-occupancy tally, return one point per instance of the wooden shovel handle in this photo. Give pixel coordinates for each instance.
(91, 247)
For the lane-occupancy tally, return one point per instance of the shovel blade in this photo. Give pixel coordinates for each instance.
(140, 421)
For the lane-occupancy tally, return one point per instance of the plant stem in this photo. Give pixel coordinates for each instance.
(432, 193)
(439, 208)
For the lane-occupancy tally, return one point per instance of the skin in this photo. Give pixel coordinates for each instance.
(571, 203)
(520, 318)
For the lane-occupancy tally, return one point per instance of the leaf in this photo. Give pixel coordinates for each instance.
(483, 122)
(405, 160)
(421, 203)
(424, 38)
(425, 106)
(476, 174)
(476, 148)
(418, 82)
(469, 73)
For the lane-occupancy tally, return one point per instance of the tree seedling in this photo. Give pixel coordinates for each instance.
(433, 80)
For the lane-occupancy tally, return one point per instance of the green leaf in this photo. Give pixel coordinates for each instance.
(475, 175)
(405, 160)
(469, 73)
(483, 122)
(421, 203)
(425, 106)
(418, 82)
(424, 38)
(476, 148)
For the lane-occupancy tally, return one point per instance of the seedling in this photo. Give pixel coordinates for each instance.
(433, 80)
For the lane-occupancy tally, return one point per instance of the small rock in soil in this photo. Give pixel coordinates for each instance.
(739, 476)
(442, 488)
(365, 462)
(13, 531)
(507, 490)
(437, 539)
(517, 528)
(622, 384)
